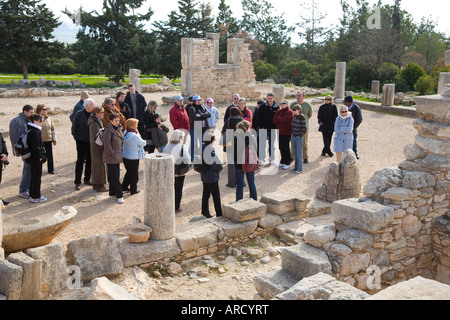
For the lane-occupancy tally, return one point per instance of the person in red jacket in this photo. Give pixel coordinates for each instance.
(283, 119)
(246, 113)
(179, 117)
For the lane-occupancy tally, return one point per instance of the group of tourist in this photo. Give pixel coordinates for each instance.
(122, 130)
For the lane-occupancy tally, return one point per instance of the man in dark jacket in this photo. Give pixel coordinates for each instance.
(198, 125)
(80, 132)
(266, 113)
(137, 104)
(235, 103)
(3, 160)
(79, 106)
(357, 117)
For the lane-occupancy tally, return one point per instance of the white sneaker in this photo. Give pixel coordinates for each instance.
(120, 200)
(40, 200)
(261, 163)
(275, 164)
(286, 167)
(298, 171)
(24, 195)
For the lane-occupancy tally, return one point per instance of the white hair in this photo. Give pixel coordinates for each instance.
(177, 136)
(89, 102)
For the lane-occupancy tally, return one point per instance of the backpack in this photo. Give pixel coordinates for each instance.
(200, 167)
(182, 168)
(99, 137)
(22, 146)
(251, 161)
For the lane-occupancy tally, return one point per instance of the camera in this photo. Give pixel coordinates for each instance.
(6, 163)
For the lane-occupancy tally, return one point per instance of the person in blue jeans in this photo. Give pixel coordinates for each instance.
(243, 138)
(298, 132)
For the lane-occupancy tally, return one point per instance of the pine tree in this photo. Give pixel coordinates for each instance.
(226, 26)
(26, 28)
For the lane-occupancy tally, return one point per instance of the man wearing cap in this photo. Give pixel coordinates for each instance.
(357, 117)
(80, 105)
(178, 116)
(198, 116)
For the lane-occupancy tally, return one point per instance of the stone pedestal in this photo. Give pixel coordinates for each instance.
(444, 78)
(278, 91)
(134, 78)
(388, 95)
(375, 87)
(339, 83)
(447, 58)
(159, 197)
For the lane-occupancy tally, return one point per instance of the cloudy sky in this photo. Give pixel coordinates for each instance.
(437, 9)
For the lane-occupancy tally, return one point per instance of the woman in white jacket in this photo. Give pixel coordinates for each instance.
(343, 128)
(132, 144)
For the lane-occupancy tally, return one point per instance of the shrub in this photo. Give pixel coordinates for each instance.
(358, 74)
(425, 85)
(264, 70)
(388, 72)
(411, 73)
(300, 73)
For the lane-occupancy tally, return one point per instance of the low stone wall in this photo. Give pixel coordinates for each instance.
(374, 106)
(440, 236)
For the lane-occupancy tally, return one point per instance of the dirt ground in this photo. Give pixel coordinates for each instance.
(381, 141)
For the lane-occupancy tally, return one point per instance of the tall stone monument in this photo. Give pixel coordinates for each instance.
(387, 99)
(134, 75)
(278, 92)
(375, 87)
(159, 197)
(339, 83)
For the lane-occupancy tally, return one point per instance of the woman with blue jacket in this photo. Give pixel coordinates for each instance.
(132, 143)
(210, 177)
(343, 128)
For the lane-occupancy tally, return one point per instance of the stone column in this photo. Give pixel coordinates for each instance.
(375, 87)
(339, 83)
(447, 58)
(215, 37)
(388, 95)
(444, 78)
(134, 79)
(278, 91)
(233, 50)
(159, 196)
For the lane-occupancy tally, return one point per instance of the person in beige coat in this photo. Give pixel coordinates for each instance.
(112, 155)
(48, 136)
(98, 168)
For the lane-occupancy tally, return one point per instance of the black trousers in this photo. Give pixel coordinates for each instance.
(115, 187)
(327, 137)
(35, 183)
(179, 182)
(49, 152)
(131, 177)
(83, 153)
(208, 190)
(285, 149)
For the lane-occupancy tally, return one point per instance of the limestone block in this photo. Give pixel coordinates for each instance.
(270, 221)
(322, 287)
(388, 97)
(381, 181)
(444, 79)
(269, 284)
(284, 202)
(195, 235)
(139, 233)
(32, 274)
(303, 260)
(96, 256)
(237, 230)
(54, 267)
(426, 128)
(103, 289)
(413, 152)
(320, 235)
(288, 231)
(134, 254)
(340, 250)
(434, 145)
(443, 274)
(362, 214)
(318, 207)
(400, 194)
(418, 180)
(244, 210)
(356, 239)
(434, 108)
(411, 225)
(354, 263)
(10, 280)
(415, 289)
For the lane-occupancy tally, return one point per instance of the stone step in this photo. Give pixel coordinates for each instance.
(270, 284)
(303, 260)
(295, 231)
(285, 202)
(244, 210)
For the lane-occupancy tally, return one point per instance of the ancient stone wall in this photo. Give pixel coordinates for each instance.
(203, 74)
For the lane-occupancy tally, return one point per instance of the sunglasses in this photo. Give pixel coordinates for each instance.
(44, 109)
(344, 111)
(283, 103)
(327, 99)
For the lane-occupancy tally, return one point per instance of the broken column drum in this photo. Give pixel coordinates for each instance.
(339, 83)
(134, 75)
(388, 95)
(159, 196)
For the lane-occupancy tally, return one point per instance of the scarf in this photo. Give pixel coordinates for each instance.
(349, 114)
(132, 130)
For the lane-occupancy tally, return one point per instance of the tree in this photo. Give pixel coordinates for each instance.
(431, 47)
(226, 26)
(115, 40)
(26, 28)
(271, 30)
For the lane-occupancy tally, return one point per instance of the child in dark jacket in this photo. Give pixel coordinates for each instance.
(210, 177)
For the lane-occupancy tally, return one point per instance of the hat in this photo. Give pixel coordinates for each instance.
(190, 98)
(348, 99)
(210, 100)
(196, 97)
(178, 97)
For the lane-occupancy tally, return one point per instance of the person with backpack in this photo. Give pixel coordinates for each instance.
(210, 177)
(48, 136)
(17, 128)
(159, 134)
(112, 155)
(198, 116)
(37, 157)
(98, 168)
(132, 143)
(227, 139)
(182, 160)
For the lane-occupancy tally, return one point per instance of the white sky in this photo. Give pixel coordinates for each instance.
(437, 9)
